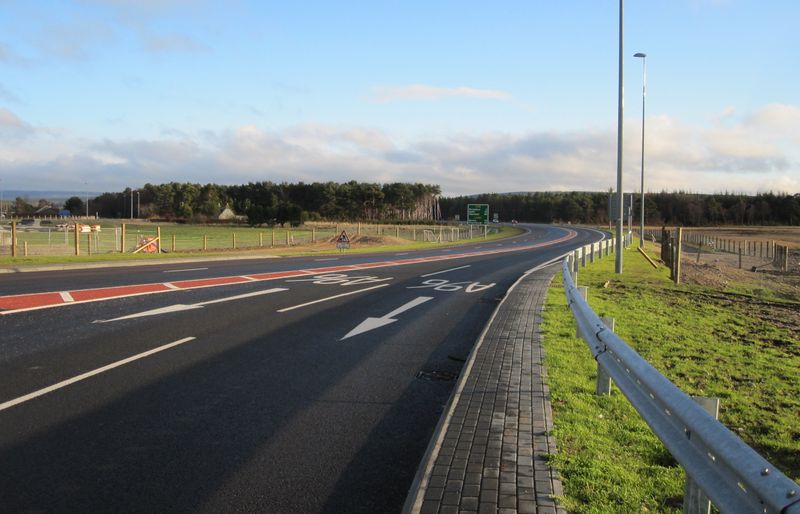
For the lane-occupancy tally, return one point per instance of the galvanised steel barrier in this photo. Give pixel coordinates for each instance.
(734, 477)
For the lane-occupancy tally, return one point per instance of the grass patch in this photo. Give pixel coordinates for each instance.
(220, 241)
(708, 342)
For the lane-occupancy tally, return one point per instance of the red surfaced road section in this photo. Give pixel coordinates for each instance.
(16, 303)
(28, 301)
(209, 282)
(85, 295)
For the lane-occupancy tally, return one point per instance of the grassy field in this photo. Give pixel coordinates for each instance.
(708, 341)
(188, 242)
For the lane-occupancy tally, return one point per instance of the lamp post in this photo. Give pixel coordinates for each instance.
(86, 186)
(138, 206)
(131, 204)
(643, 57)
(620, 199)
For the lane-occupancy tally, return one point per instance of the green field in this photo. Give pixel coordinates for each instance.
(49, 245)
(708, 342)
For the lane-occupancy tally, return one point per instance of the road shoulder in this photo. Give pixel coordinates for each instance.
(489, 451)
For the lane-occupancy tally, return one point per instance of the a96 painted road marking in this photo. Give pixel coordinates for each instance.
(373, 323)
(440, 284)
(88, 374)
(341, 279)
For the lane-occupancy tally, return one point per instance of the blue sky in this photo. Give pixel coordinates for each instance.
(473, 96)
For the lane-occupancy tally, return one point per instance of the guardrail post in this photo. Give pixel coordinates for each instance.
(695, 500)
(583, 257)
(603, 385)
(584, 292)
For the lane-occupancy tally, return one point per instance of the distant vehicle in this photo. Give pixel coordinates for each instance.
(27, 222)
(514, 222)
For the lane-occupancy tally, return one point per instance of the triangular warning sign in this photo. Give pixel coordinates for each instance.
(343, 238)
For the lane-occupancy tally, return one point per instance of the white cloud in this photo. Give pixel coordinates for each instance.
(741, 156)
(385, 94)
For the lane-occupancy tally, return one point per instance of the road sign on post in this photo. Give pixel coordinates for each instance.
(343, 241)
(478, 213)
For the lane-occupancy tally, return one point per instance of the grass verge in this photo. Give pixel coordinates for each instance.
(709, 342)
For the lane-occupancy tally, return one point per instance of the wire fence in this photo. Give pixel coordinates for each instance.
(53, 237)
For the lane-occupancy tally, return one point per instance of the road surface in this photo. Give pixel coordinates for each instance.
(286, 385)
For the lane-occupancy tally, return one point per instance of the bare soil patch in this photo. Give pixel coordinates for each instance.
(755, 285)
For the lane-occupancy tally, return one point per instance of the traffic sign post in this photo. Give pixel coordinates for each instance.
(478, 213)
(343, 241)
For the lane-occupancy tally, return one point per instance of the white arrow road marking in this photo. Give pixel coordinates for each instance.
(88, 374)
(373, 323)
(182, 307)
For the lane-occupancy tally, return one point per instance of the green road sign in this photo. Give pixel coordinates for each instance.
(478, 213)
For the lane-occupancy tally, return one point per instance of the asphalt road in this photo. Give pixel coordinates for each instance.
(313, 393)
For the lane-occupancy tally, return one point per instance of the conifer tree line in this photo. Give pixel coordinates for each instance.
(270, 203)
(678, 208)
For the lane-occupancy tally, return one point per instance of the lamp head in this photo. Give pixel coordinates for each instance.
(640, 54)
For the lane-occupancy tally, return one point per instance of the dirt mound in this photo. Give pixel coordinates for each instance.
(369, 240)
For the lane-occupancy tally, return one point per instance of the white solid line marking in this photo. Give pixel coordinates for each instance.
(445, 271)
(66, 296)
(404, 253)
(88, 374)
(330, 298)
(240, 296)
(170, 285)
(331, 259)
(183, 270)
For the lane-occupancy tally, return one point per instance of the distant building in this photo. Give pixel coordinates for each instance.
(227, 214)
(46, 210)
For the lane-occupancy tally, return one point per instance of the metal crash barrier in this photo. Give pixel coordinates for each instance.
(732, 475)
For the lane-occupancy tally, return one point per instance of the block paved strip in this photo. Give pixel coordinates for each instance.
(492, 450)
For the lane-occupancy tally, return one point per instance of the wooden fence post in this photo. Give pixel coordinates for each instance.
(13, 238)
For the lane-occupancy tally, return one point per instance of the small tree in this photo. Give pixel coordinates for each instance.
(74, 205)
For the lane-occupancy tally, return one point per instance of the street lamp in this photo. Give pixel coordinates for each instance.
(86, 186)
(619, 199)
(138, 206)
(643, 57)
(131, 204)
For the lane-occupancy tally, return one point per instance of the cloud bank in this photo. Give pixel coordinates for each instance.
(750, 153)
